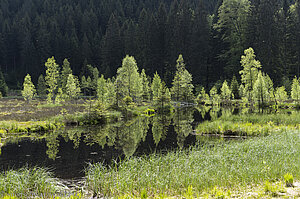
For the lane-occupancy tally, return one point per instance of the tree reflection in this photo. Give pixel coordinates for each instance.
(183, 119)
(160, 126)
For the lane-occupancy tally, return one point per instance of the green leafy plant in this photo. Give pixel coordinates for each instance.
(289, 180)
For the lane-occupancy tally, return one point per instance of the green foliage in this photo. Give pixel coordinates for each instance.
(281, 94)
(249, 72)
(111, 92)
(160, 92)
(260, 89)
(129, 80)
(289, 179)
(3, 86)
(232, 25)
(234, 86)
(60, 97)
(102, 89)
(65, 72)
(51, 78)
(145, 83)
(72, 87)
(273, 189)
(214, 96)
(202, 96)
(295, 91)
(28, 91)
(41, 86)
(156, 86)
(182, 89)
(226, 93)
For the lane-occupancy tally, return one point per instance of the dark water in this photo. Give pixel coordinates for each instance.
(68, 151)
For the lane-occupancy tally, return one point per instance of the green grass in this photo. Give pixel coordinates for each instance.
(229, 165)
(8, 127)
(241, 128)
(27, 183)
(276, 118)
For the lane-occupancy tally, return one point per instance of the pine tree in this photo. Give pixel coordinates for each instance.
(295, 91)
(41, 86)
(28, 91)
(3, 86)
(51, 78)
(72, 87)
(182, 89)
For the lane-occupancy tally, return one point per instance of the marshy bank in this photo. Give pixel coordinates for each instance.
(162, 154)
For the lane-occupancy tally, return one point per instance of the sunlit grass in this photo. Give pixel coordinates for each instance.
(27, 183)
(232, 165)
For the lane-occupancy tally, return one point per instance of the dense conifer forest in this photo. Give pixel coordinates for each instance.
(210, 34)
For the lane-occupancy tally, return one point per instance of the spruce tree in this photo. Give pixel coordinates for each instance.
(28, 91)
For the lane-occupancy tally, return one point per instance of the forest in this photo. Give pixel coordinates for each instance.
(149, 99)
(211, 36)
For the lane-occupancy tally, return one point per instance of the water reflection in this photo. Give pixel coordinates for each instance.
(69, 149)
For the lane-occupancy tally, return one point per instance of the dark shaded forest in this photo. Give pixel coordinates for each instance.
(210, 34)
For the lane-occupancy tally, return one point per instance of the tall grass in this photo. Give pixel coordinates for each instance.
(29, 183)
(230, 165)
